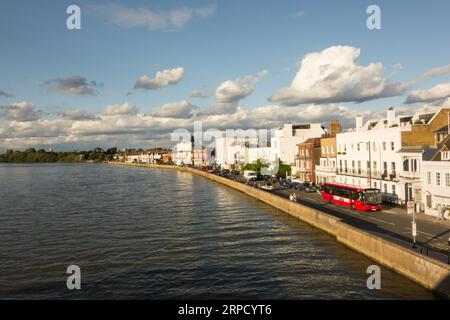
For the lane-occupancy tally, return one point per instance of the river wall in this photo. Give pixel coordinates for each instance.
(428, 272)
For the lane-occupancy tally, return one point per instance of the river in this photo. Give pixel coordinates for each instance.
(140, 233)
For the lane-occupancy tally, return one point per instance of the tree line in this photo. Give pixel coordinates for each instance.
(32, 155)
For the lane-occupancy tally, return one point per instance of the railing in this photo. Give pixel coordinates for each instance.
(326, 169)
(409, 174)
(366, 174)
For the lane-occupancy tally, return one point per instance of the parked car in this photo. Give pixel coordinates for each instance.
(250, 175)
(267, 186)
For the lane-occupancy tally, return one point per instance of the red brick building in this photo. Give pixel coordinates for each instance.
(308, 156)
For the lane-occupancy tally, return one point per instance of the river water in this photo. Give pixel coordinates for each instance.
(141, 233)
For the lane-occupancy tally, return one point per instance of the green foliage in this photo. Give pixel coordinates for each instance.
(41, 156)
(283, 169)
(254, 166)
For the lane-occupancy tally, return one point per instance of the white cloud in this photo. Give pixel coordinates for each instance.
(129, 17)
(437, 71)
(162, 79)
(230, 92)
(332, 76)
(199, 94)
(120, 125)
(77, 115)
(72, 85)
(120, 109)
(20, 111)
(435, 94)
(182, 110)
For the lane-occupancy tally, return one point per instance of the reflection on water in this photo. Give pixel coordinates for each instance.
(153, 234)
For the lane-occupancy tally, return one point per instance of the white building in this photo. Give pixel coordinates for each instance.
(182, 153)
(240, 150)
(436, 178)
(260, 153)
(386, 154)
(285, 139)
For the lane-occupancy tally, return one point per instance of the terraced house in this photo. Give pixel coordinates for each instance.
(387, 153)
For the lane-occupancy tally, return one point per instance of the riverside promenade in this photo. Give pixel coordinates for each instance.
(354, 229)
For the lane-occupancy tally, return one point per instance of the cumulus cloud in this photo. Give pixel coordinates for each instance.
(437, 71)
(182, 110)
(333, 76)
(122, 126)
(120, 109)
(199, 94)
(129, 17)
(21, 112)
(72, 85)
(230, 92)
(5, 94)
(435, 94)
(78, 115)
(162, 79)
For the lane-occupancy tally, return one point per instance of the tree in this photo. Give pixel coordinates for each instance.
(283, 169)
(255, 166)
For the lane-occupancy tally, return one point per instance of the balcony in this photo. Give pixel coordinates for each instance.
(410, 175)
(383, 175)
(326, 169)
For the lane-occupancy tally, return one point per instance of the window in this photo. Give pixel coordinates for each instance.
(445, 155)
(447, 179)
(392, 146)
(384, 146)
(359, 167)
(428, 177)
(393, 167)
(438, 178)
(323, 150)
(385, 188)
(393, 189)
(358, 147)
(331, 149)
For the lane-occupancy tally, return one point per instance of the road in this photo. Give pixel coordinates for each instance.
(392, 223)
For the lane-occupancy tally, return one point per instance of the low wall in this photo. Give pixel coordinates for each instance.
(428, 272)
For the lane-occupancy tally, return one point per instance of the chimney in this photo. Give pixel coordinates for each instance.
(390, 117)
(335, 127)
(359, 122)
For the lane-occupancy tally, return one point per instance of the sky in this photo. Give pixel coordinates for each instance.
(137, 70)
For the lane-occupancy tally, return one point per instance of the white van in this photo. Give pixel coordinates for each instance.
(250, 175)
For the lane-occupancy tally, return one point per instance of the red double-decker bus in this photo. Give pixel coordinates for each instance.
(353, 197)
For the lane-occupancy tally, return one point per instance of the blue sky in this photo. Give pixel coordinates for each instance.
(233, 40)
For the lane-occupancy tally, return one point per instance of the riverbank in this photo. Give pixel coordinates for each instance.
(428, 272)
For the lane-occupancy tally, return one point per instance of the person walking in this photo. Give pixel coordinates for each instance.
(441, 212)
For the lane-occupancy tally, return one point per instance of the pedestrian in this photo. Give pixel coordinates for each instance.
(441, 211)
